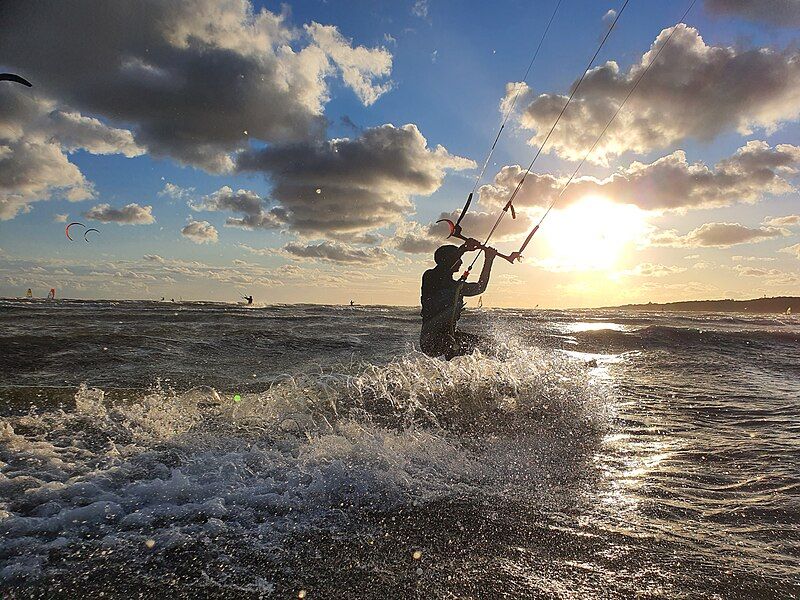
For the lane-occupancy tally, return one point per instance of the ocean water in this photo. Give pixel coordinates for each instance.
(153, 450)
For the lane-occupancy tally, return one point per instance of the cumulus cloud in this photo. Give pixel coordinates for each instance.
(34, 142)
(200, 232)
(694, 90)
(245, 202)
(60, 218)
(792, 250)
(785, 221)
(351, 185)
(176, 192)
(193, 80)
(130, 214)
(337, 252)
(784, 13)
(359, 66)
(668, 183)
(720, 235)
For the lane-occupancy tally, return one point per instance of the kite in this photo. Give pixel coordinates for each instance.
(15, 79)
(70, 225)
(87, 231)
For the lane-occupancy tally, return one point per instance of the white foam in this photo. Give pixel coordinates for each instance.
(316, 451)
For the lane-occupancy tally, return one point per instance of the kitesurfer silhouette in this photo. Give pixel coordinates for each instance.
(442, 301)
(249, 299)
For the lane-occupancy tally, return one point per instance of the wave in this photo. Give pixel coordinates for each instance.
(664, 335)
(172, 470)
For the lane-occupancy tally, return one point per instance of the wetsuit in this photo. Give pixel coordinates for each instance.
(442, 303)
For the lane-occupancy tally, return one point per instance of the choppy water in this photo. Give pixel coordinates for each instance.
(354, 467)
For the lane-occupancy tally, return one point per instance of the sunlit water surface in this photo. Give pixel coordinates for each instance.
(155, 450)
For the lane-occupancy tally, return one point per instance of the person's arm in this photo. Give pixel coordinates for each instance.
(474, 289)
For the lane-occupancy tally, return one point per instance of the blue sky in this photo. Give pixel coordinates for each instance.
(450, 63)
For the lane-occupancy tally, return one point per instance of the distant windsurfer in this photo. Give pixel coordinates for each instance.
(442, 301)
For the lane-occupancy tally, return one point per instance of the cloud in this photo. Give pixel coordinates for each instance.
(359, 66)
(420, 9)
(351, 185)
(60, 218)
(719, 235)
(775, 276)
(786, 221)
(668, 183)
(792, 250)
(200, 232)
(194, 81)
(651, 270)
(783, 13)
(176, 192)
(693, 91)
(337, 252)
(245, 202)
(130, 214)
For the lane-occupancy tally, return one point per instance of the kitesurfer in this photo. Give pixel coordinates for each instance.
(442, 301)
(249, 299)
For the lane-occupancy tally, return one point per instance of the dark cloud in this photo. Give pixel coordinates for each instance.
(783, 13)
(194, 80)
(337, 252)
(694, 90)
(720, 235)
(200, 232)
(668, 183)
(351, 185)
(130, 214)
(250, 205)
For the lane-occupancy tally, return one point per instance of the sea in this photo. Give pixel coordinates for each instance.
(204, 450)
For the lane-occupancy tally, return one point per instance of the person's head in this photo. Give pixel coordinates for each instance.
(448, 257)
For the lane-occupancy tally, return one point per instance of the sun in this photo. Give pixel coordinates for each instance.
(592, 234)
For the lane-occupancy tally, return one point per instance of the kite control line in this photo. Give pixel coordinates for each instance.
(506, 116)
(603, 132)
(509, 206)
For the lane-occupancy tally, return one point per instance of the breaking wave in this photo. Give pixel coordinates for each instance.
(131, 480)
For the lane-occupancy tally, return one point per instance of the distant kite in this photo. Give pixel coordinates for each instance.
(15, 79)
(70, 225)
(87, 231)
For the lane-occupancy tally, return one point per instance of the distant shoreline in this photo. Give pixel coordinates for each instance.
(778, 304)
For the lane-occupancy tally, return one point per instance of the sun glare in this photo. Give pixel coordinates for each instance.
(592, 233)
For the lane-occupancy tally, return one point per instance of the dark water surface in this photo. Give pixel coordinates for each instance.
(598, 454)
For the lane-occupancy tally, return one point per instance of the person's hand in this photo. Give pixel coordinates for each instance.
(471, 244)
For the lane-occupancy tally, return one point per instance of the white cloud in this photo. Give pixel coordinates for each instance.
(130, 214)
(60, 218)
(176, 192)
(693, 91)
(650, 270)
(420, 9)
(785, 221)
(792, 250)
(200, 232)
(668, 183)
(359, 66)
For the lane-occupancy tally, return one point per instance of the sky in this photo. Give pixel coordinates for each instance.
(302, 152)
